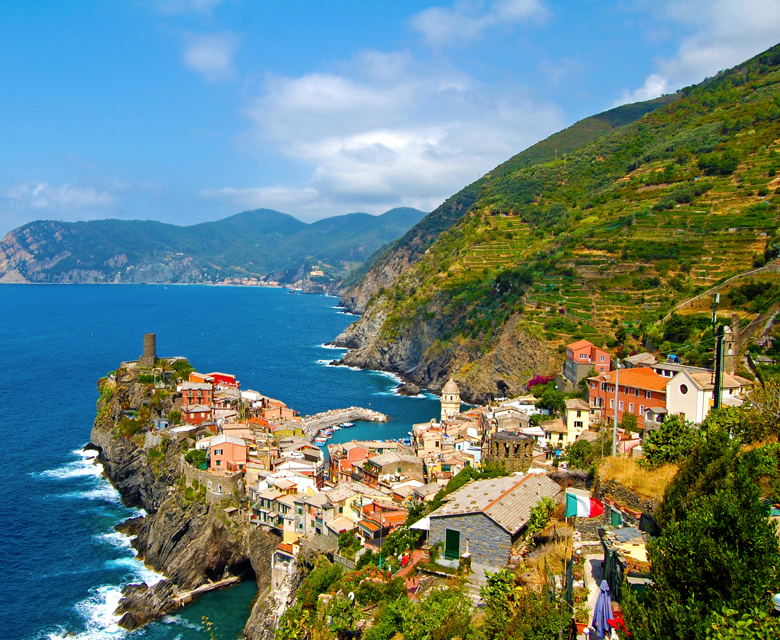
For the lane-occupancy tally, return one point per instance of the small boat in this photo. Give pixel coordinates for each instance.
(320, 440)
(334, 428)
(347, 425)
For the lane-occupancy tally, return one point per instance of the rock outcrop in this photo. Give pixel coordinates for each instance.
(419, 359)
(190, 542)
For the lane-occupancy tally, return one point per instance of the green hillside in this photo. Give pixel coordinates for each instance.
(421, 236)
(611, 235)
(249, 244)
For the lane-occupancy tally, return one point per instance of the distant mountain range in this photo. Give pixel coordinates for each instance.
(261, 244)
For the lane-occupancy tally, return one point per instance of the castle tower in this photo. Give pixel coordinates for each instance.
(450, 400)
(147, 360)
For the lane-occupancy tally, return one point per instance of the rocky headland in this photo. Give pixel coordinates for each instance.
(193, 542)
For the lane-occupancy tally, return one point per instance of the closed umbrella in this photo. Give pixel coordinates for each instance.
(602, 613)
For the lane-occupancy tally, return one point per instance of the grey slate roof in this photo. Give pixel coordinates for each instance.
(507, 501)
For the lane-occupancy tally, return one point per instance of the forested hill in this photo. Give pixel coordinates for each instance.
(260, 243)
(383, 267)
(599, 244)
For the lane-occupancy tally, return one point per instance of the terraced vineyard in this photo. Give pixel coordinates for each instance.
(615, 233)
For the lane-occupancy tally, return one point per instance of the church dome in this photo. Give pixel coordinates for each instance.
(451, 388)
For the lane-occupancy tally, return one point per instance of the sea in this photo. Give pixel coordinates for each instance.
(64, 564)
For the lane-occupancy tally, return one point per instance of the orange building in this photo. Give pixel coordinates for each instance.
(197, 393)
(227, 454)
(640, 389)
(196, 414)
(202, 378)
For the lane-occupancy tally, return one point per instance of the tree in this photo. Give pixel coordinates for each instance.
(516, 612)
(621, 334)
(579, 454)
(553, 401)
(668, 444)
(724, 553)
(343, 616)
(629, 422)
(756, 624)
(195, 457)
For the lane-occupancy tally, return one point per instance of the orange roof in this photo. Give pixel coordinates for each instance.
(286, 547)
(641, 378)
(371, 526)
(580, 344)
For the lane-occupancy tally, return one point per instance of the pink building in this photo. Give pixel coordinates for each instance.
(582, 357)
(227, 454)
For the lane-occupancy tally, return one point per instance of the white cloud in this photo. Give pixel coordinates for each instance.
(724, 33)
(386, 132)
(41, 195)
(211, 55)
(467, 19)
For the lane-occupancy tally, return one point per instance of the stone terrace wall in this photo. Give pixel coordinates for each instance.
(217, 487)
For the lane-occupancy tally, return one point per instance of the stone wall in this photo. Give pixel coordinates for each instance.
(487, 542)
(217, 487)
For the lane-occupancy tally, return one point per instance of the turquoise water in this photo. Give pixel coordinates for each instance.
(65, 565)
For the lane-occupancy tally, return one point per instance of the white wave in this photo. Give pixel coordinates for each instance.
(325, 362)
(388, 374)
(106, 493)
(330, 346)
(97, 612)
(140, 572)
(181, 621)
(84, 467)
(117, 540)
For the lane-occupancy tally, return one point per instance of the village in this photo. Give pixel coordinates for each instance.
(273, 469)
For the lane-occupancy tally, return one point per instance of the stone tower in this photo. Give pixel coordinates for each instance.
(729, 351)
(450, 400)
(147, 360)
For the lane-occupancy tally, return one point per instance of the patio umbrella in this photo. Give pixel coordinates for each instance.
(602, 613)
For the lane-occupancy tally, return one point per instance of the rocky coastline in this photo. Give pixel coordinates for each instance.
(194, 544)
(418, 358)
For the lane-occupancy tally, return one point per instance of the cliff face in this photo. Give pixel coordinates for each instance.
(416, 356)
(188, 541)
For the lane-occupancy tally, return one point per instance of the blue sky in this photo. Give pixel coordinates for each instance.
(192, 110)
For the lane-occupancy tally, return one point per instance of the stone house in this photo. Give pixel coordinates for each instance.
(388, 465)
(485, 518)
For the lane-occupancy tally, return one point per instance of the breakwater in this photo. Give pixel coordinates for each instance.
(314, 424)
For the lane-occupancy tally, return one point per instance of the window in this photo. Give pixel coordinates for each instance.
(631, 407)
(578, 425)
(648, 395)
(603, 386)
(602, 358)
(579, 413)
(582, 356)
(641, 409)
(684, 389)
(219, 463)
(399, 469)
(593, 386)
(636, 392)
(217, 452)
(620, 406)
(611, 403)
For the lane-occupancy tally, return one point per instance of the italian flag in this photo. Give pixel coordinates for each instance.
(583, 506)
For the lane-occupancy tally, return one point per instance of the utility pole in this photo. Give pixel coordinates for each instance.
(617, 404)
(715, 301)
(718, 368)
